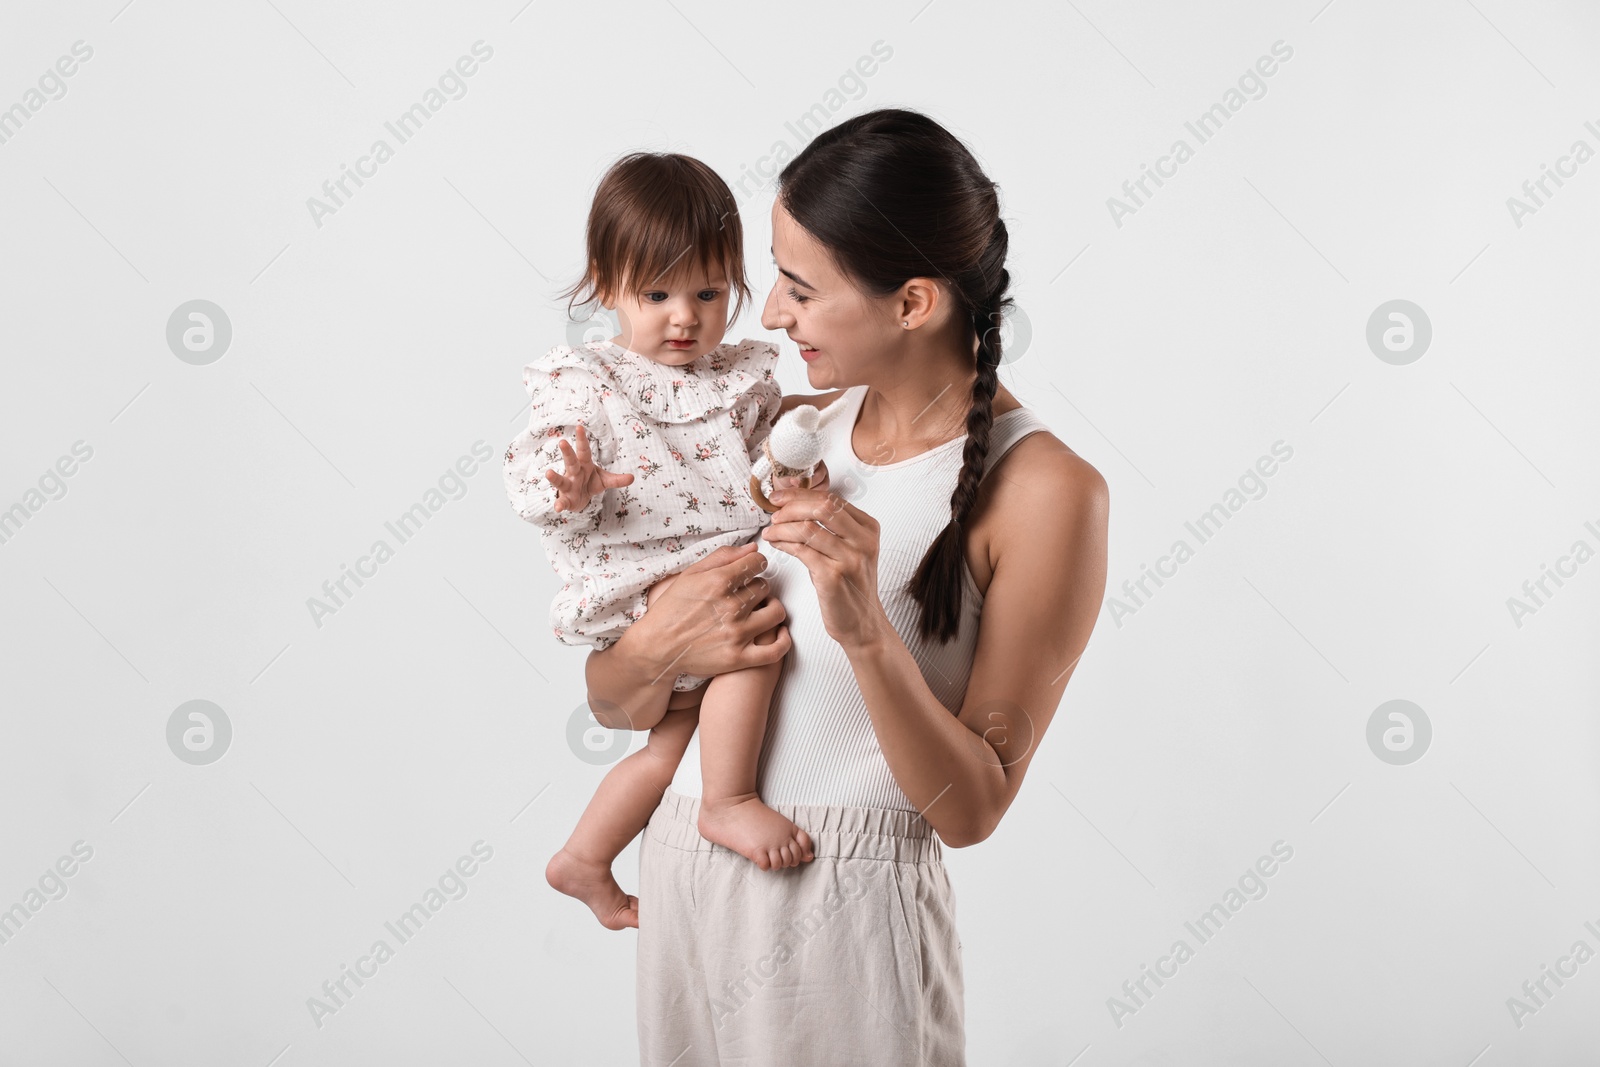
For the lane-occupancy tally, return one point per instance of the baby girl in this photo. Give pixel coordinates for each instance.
(664, 422)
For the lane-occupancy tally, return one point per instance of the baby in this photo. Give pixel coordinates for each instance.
(665, 422)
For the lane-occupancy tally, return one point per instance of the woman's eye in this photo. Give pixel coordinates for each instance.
(796, 297)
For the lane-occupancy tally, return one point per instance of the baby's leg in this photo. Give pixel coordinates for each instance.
(619, 810)
(733, 718)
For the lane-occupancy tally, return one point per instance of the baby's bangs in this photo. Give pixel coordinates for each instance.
(676, 243)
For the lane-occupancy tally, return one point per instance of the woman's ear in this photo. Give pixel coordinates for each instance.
(919, 302)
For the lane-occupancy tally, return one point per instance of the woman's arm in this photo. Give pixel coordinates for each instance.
(1049, 554)
(628, 682)
(704, 622)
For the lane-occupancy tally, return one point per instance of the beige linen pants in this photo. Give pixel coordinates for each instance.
(850, 959)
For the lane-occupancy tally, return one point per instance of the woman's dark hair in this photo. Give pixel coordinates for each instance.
(893, 195)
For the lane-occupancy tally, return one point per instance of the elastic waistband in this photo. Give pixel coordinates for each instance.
(836, 832)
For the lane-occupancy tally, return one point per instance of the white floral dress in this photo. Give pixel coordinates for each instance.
(687, 434)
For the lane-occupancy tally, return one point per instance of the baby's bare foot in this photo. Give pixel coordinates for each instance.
(593, 884)
(754, 831)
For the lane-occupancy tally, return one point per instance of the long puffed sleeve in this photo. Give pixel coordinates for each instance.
(758, 395)
(565, 396)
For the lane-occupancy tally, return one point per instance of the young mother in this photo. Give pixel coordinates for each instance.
(956, 563)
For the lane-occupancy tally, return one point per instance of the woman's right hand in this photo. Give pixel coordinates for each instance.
(706, 619)
(708, 615)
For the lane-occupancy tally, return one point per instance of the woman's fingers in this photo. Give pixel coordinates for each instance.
(774, 650)
(804, 553)
(752, 592)
(739, 602)
(722, 605)
(789, 536)
(734, 566)
(766, 614)
(827, 508)
(747, 569)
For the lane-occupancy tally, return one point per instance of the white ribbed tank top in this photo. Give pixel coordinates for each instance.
(820, 747)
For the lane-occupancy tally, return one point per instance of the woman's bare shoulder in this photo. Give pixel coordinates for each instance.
(1045, 455)
(1042, 480)
(1042, 459)
(1041, 498)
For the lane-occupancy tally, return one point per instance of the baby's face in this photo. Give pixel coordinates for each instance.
(675, 320)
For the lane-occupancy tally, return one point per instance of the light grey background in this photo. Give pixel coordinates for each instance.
(429, 712)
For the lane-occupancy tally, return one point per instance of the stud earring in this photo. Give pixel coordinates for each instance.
(906, 324)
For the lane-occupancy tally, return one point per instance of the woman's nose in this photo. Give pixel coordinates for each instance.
(773, 315)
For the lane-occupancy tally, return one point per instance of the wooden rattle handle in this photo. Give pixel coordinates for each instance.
(761, 498)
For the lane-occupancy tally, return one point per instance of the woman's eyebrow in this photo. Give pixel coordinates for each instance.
(791, 276)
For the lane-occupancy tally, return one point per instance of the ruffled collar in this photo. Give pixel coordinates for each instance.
(685, 393)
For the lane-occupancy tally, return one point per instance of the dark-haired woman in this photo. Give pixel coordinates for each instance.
(938, 596)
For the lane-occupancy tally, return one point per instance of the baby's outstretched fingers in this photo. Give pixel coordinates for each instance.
(614, 480)
(583, 444)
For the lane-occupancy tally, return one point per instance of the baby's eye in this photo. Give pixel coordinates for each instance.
(655, 297)
(709, 294)
(796, 297)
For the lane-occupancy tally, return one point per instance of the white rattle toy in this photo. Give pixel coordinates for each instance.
(792, 449)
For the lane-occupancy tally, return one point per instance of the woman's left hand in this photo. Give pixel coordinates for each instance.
(842, 556)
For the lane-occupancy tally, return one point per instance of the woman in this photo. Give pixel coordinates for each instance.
(897, 717)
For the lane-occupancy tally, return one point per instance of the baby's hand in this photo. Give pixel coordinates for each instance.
(819, 479)
(583, 477)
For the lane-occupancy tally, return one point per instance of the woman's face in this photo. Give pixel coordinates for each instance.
(839, 329)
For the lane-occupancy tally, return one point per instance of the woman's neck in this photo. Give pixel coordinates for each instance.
(915, 413)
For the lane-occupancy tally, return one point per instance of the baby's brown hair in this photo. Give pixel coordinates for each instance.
(653, 213)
